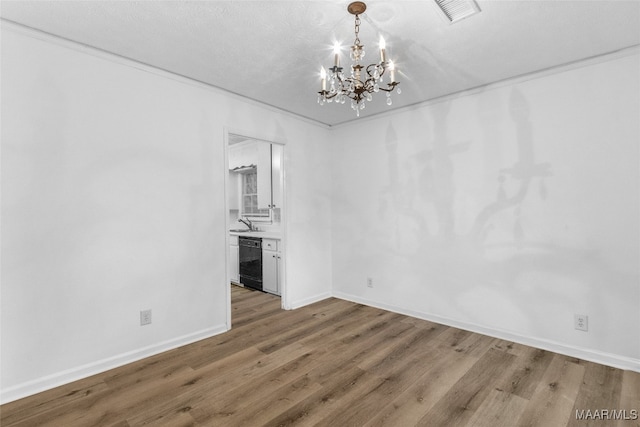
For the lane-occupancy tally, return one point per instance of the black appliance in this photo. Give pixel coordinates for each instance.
(250, 261)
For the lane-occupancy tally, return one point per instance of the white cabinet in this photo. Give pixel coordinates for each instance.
(244, 155)
(233, 191)
(234, 259)
(271, 266)
(253, 159)
(276, 175)
(263, 170)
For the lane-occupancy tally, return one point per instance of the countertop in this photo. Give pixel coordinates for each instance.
(262, 234)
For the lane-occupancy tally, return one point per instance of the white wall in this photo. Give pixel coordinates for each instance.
(504, 211)
(113, 202)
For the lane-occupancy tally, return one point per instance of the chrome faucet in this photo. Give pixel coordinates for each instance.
(246, 222)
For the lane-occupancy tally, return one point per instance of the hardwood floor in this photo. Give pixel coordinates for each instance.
(336, 363)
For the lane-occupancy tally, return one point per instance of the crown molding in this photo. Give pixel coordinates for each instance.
(15, 27)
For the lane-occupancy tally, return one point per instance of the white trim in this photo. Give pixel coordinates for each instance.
(609, 359)
(96, 52)
(558, 69)
(284, 221)
(307, 301)
(74, 374)
(227, 225)
(45, 383)
(252, 136)
(112, 57)
(269, 139)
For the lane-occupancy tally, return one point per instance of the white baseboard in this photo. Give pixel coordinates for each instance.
(60, 378)
(51, 381)
(613, 360)
(310, 300)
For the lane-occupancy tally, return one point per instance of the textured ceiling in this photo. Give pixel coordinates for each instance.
(271, 51)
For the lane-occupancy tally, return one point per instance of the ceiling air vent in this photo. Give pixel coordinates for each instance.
(455, 10)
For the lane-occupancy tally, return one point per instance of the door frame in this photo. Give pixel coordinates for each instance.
(283, 214)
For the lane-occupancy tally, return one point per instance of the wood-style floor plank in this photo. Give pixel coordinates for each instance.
(555, 395)
(337, 363)
(526, 373)
(433, 382)
(630, 399)
(458, 405)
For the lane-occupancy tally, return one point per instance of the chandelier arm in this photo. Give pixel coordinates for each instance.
(375, 66)
(327, 95)
(391, 87)
(342, 82)
(356, 82)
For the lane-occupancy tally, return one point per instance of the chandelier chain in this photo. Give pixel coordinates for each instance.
(357, 30)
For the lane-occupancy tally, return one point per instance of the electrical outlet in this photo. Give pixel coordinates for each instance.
(369, 282)
(581, 322)
(145, 317)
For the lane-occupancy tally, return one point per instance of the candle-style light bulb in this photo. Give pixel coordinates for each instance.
(392, 71)
(336, 51)
(323, 78)
(383, 54)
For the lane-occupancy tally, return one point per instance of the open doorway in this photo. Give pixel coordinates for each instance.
(255, 207)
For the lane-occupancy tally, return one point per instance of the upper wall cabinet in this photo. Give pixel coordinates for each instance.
(276, 175)
(256, 169)
(253, 157)
(233, 196)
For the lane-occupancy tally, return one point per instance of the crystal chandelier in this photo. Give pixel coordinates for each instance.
(357, 86)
